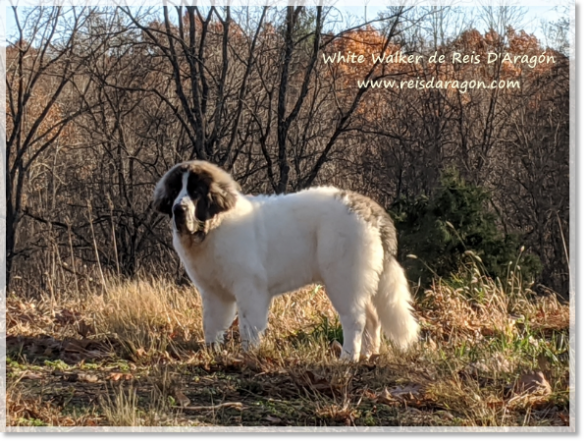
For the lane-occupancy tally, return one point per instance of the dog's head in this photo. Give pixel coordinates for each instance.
(193, 193)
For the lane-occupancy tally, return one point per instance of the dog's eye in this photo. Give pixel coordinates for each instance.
(195, 188)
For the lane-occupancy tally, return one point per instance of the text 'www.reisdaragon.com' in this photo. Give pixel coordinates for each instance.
(460, 85)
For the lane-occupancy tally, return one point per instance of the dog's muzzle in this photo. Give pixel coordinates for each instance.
(180, 217)
(185, 222)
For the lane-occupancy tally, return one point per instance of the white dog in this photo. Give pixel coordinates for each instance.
(240, 251)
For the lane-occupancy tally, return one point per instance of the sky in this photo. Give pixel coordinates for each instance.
(531, 23)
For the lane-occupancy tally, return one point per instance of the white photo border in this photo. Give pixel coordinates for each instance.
(573, 246)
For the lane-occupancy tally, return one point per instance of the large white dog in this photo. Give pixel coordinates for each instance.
(240, 251)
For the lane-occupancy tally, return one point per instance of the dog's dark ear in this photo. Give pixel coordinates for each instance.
(166, 191)
(222, 197)
(218, 194)
(163, 204)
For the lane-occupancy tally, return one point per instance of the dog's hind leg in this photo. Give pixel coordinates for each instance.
(371, 338)
(350, 268)
(218, 313)
(353, 328)
(343, 295)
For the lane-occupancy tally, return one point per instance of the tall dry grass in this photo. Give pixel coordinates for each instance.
(479, 338)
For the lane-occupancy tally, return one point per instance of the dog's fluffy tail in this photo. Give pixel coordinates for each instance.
(393, 305)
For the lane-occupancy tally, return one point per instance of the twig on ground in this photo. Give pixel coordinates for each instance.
(236, 405)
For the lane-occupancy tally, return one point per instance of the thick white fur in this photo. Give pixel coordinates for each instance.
(266, 246)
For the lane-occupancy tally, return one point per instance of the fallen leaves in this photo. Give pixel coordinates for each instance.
(405, 394)
(27, 375)
(75, 351)
(495, 363)
(532, 383)
(386, 398)
(25, 318)
(117, 376)
(67, 317)
(69, 350)
(237, 364)
(84, 329)
(344, 413)
(24, 411)
(314, 382)
(565, 418)
(408, 391)
(336, 348)
(87, 378)
(181, 398)
(531, 390)
(75, 377)
(273, 420)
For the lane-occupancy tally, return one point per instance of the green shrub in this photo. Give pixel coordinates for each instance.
(435, 233)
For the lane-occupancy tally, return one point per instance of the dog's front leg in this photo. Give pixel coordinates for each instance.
(253, 315)
(218, 314)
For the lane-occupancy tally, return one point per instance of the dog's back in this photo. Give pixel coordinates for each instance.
(348, 242)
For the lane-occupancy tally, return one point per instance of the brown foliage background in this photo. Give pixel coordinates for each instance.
(101, 102)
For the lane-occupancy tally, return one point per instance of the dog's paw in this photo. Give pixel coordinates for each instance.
(346, 357)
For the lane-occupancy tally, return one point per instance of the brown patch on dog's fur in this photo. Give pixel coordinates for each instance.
(373, 214)
(214, 189)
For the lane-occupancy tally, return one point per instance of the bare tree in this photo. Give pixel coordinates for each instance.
(101, 102)
(41, 66)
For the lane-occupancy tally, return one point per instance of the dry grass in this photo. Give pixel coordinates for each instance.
(491, 354)
(148, 316)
